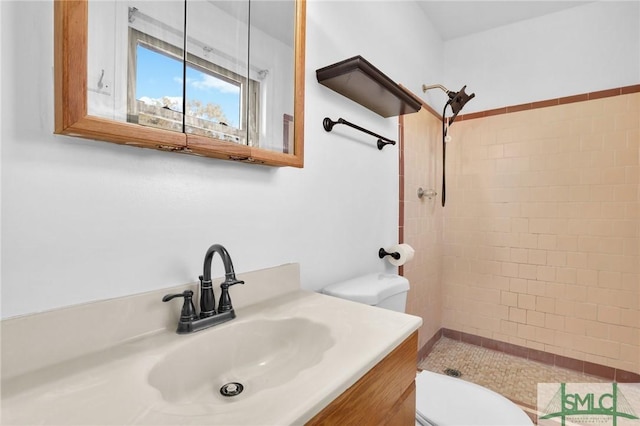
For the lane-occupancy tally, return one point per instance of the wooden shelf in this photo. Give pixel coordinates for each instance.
(363, 83)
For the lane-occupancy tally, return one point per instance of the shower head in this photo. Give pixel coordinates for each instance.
(456, 99)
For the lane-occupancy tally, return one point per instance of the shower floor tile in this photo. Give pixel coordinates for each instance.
(514, 377)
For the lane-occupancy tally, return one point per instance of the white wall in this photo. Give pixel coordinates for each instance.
(578, 50)
(84, 220)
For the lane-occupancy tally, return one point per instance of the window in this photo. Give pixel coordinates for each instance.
(214, 101)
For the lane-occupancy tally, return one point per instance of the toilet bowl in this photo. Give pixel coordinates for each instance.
(440, 400)
(447, 401)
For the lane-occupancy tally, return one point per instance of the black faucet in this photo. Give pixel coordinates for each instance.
(189, 320)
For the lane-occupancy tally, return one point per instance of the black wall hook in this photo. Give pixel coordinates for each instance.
(328, 124)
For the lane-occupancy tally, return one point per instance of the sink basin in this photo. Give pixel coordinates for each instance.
(258, 354)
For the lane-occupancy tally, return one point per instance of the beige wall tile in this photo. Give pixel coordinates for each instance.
(526, 301)
(575, 326)
(588, 311)
(517, 315)
(630, 318)
(629, 353)
(598, 330)
(545, 304)
(537, 257)
(576, 260)
(609, 314)
(587, 277)
(554, 322)
(536, 288)
(508, 298)
(536, 319)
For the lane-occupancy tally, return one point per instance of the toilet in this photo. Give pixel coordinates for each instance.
(388, 291)
(440, 400)
(447, 401)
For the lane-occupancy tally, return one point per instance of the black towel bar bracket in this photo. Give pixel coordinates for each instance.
(328, 124)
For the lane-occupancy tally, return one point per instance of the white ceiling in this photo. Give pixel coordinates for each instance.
(455, 18)
(451, 18)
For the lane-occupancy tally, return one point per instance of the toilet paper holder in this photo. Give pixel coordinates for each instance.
(382, 253)
(399, 254)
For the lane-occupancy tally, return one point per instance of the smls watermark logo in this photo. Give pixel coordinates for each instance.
(615, 404)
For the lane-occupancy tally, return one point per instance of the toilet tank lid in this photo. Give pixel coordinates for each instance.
(370, 289)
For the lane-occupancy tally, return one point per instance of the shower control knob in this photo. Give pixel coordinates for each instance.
(429, 193)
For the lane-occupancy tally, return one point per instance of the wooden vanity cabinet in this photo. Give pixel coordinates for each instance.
(386, 395)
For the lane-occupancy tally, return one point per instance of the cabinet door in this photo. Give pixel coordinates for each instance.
(385, 395)
(179, 75)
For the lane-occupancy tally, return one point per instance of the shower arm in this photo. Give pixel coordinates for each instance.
(435, 86)
(449, 93)
(445, 90)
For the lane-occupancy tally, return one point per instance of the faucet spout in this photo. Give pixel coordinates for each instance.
(207, 298)
(226, 261)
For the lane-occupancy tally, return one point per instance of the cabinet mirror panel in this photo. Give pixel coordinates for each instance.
(223, 79)
(271, 49)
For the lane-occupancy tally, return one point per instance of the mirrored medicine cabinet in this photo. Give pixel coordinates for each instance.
(216, 78)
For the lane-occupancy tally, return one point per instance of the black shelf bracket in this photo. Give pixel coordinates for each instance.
(328, 124)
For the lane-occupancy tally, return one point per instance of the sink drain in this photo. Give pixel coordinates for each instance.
(231, 389)
(452, 372)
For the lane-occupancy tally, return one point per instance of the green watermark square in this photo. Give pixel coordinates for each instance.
(601, 404)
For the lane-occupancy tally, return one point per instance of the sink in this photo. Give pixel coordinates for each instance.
(259, 354)
(294, 354)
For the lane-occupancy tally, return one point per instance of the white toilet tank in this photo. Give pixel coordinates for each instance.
(387, 291)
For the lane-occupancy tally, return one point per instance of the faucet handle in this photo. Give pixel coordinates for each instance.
(225, 301)
(188, 312)
(229, 282)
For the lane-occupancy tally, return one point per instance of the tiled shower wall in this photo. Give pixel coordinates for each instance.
(540, 231)
(422, 228)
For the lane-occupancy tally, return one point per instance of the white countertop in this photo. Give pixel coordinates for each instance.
(111, 387)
